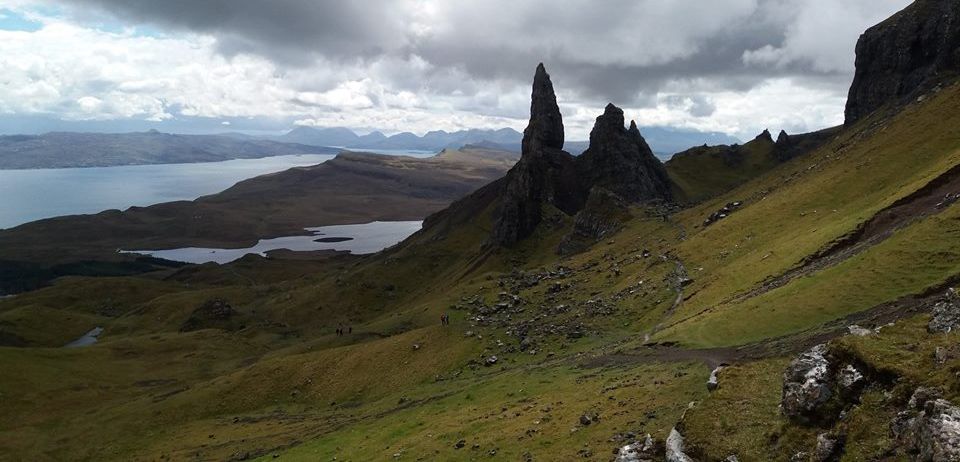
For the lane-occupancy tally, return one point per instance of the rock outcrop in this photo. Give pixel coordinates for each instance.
(639, 451)
(929, 428)
(946, 314)
(602, 216)
(675, 448)
(910, 52)
(618, 160)
(817, 387)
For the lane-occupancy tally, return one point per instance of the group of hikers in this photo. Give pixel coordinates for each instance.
(444, 319)
(341, 331)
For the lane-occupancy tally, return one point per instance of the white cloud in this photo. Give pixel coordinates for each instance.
(454, 65)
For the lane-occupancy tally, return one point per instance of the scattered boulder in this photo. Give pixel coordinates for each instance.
(588, 418)
(675, 448)
(722, 213)
(645, 451)
(946, 314)
(806, 384)
(490, 361)
(817, 387)
(930, 427)
(859, 331)
(829, 448)
(714, 381)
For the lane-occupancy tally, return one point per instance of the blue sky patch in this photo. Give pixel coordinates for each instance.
(12, 20)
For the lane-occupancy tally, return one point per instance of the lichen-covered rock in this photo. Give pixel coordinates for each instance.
(829, 448)
(929, 428)
(946, 314)
(909, 52)
(675, 448)
(806, 384)
(639, 451)
(714, 381)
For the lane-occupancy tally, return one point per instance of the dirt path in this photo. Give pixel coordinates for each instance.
(934, 197)
(880, 315)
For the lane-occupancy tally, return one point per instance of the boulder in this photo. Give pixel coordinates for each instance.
(829, 448)
(675, 448)
(806, 384)
(946, 314)
(638, 451)
(929, 428)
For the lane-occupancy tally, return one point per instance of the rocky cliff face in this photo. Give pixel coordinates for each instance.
(908, 53)
(618, 160)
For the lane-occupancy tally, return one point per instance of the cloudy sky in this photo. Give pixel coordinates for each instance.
(732, 66)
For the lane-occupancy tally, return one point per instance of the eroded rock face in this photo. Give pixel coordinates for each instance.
(909, 52)
(603, 215)
(930, 428)
(620, 161)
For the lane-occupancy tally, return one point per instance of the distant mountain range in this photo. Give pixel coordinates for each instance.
(66, 149)
(71, 149)
(663, 141)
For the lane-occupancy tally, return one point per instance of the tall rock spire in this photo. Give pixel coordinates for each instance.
(546, 124)
(545, 173)
(619, 164)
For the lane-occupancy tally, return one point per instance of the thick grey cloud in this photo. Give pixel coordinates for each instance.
(289, 31)
(618, 50)
(728, 65)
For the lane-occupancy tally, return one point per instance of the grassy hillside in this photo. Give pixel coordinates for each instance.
(546, 358)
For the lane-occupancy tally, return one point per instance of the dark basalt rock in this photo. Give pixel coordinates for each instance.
(905, 55)
(620, 161)
(545, 173)
(603, 215)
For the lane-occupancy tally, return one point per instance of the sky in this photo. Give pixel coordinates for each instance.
(731, 66)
